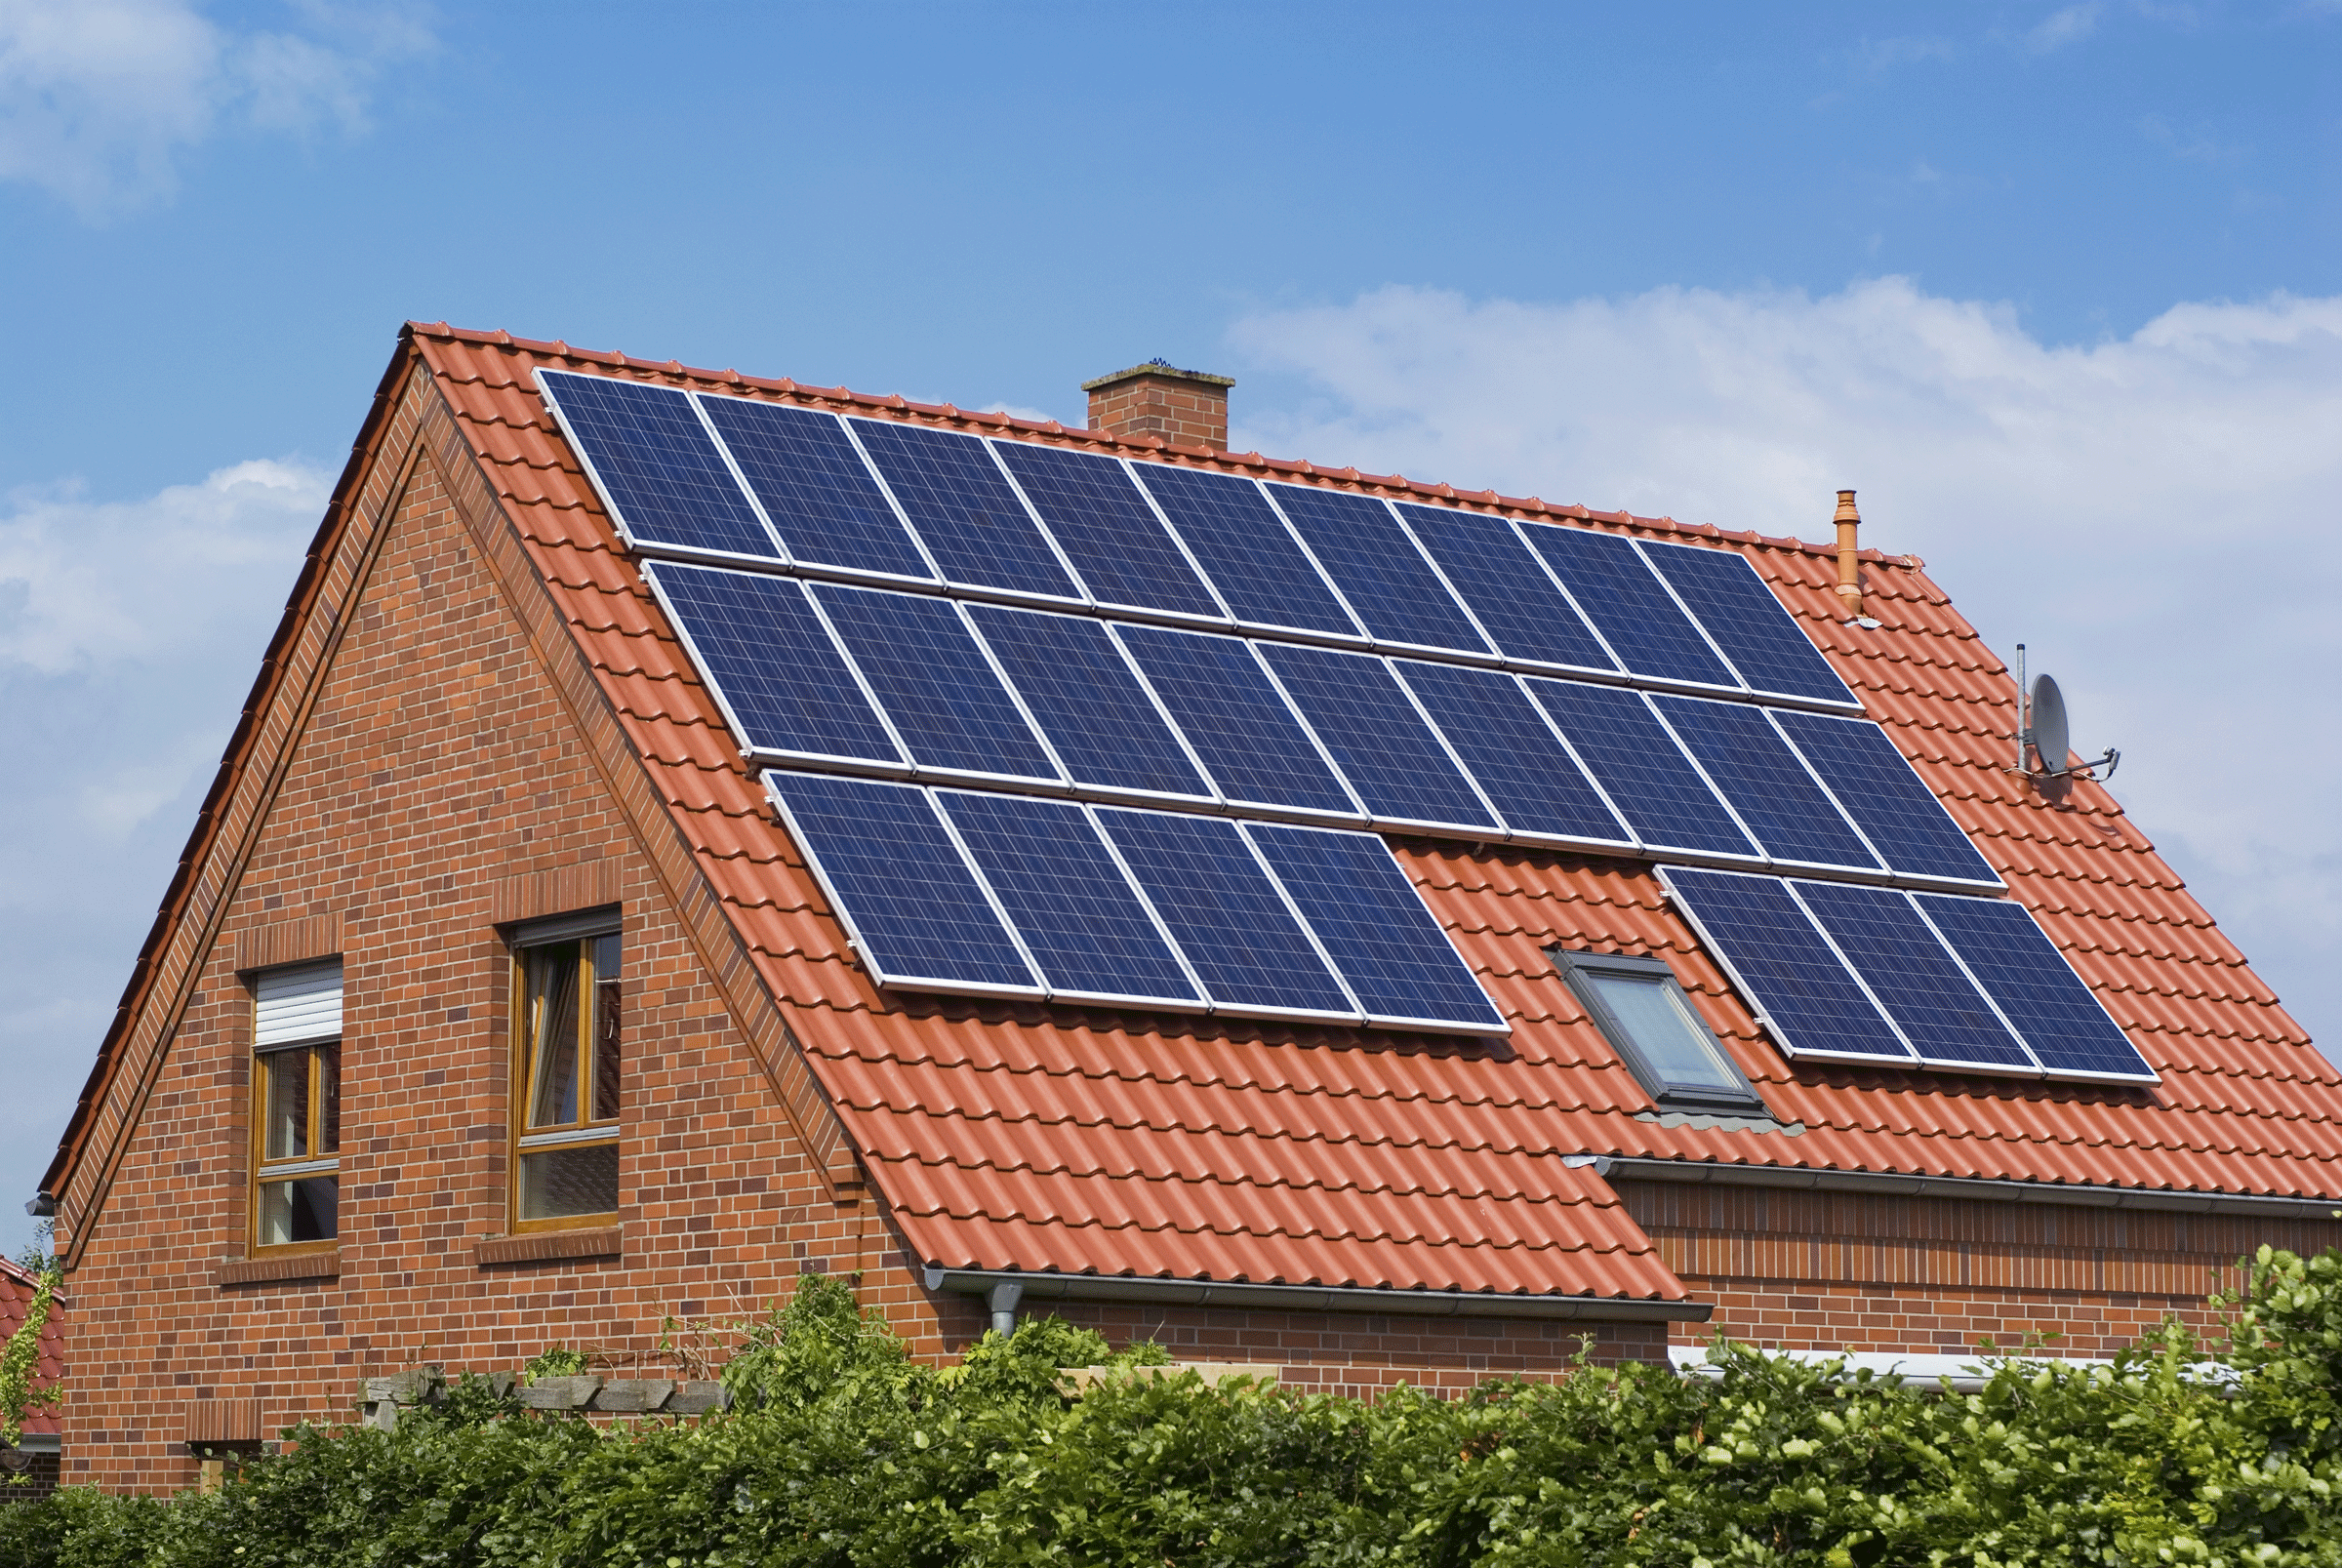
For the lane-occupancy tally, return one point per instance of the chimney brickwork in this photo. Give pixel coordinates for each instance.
(1187, 408)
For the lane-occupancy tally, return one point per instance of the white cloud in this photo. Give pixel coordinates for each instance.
(99, 97)
(2069, 26)
(2156, 514)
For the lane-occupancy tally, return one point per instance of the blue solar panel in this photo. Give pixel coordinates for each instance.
(1510, 593)
(1084, 926)
(656, 466)
(1642, 769)
(1081, 692)
(1224, 702)
(1370, 920)
(1378, 569)
(1906, 969)
(1754, 627)
(2021, 969)
(1512, 753)
(1226, 914)
(1765, 783)
(915, 911)
(1107, 530)
(1628, 605)
(1895, 811)
(765, 655)
(815, 487)
(964, 509)
(1394, 763)
(1784, 969)
(1245, 549)
(934, 683)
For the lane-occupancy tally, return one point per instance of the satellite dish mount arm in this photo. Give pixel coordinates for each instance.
(2042, 732)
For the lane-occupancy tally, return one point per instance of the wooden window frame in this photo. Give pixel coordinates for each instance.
(587, 930)
(268, 1172)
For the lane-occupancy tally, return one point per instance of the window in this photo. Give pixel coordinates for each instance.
(1641, 1008)
(297, 1105)
(566, 1066)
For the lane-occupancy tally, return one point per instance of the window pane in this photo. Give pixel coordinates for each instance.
(298, 1210)
(287, 1137)
(1674, 1044)
(329, 1092)
(555, 1183)
(605, 1044)
(553, 1035)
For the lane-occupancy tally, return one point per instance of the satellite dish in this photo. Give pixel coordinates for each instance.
(2048, 709)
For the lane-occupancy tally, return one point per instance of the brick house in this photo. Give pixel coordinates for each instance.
(29, 1467)
(494, 1005)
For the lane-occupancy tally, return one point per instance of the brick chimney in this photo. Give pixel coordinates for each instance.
(1187, 408)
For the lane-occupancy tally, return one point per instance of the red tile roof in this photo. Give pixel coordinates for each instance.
(18, 1285)
(1022, 1136)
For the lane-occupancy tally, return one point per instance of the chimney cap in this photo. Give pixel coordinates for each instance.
(1159, 367)
(1845, 508)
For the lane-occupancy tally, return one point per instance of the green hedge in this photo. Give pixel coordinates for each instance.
(839, 1450)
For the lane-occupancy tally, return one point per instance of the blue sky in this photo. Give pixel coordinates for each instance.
(2058, 287)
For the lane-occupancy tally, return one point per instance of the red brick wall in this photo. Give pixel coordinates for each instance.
(1184, 413)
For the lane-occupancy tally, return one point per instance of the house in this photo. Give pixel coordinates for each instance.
(28, 1468)
(522, 980)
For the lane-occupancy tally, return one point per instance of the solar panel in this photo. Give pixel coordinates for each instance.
(1744, 757)
(1373, 924)
(1235, 928)
(780, 679)
(1747, 622)
(1642, 769)
(893, 874)
(1263, 573)
(964, 509)
(656, 466)
(1081, 692)
(1628, 605)
(1383, 577)
(1116, 543)
(1394, 762)
(1252, 747)
(1510, 595)
(1084, 926)
(815, 487)
(1919, 983)
(933, 682)
(2021, 969)
(1895, 810)
(1799, 987)
(1512, 753)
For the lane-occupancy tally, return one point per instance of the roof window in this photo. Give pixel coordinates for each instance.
(1641, 1008)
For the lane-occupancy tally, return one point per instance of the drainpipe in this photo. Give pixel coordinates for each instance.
(1850, 568)
(1003, 1298)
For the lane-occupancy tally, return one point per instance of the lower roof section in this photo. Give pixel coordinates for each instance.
(1055, 1287)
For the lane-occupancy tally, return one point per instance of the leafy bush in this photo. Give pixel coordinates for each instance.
(841, 1451)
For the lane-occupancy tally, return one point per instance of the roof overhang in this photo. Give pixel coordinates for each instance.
(1627, 1168)
(1312, 1298)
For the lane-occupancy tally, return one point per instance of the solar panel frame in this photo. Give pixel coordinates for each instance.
(1627, 780)
(1432, 685)
(1220, 551)
(1090, 553)
(665, 582)
(1377, 774)
(2079, 1000)
(721, 488)
(1784, 812)
(799, 551)
(1043, 576)
(1891, 786)
(1493, 597)
(1374, 583)
(1822, 681)
(1684, 885)
(854, 908)
(1939, 987)
(1638, 615)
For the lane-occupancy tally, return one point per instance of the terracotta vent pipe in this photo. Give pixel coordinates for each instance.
(1849, 568)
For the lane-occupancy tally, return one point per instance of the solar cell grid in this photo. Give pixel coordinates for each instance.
(1263, 573)
(964, 509)
(658, 467)
(1747, 621)
(1079, 689)
(1895, 811)
(1641, 767)
(772, 665)
(1373, 924)
(1922, 988)
(934, 683)
(1765, 782)
(1116, 543)
(1628, 605)
(1510, 593)
(2021, 969)
(1789, 974)
(1394, 762)
(814, 487)
(1253, 747)
(893, 876)
(1379, 572)
(1512, 753)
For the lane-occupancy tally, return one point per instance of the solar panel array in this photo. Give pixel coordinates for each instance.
(1061, 725)
(1840, 972)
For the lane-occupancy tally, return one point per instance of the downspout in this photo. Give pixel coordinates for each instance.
(1849, 565)
(1003, 1300)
